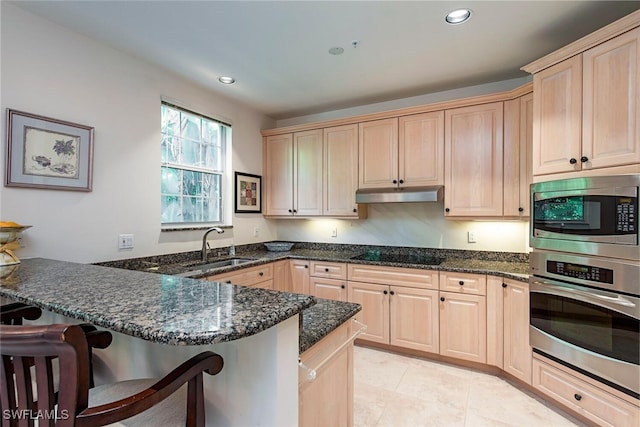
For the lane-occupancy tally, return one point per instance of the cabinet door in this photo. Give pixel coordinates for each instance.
(378, 153)
(557, 117)
(328, 288)
(307, 185)
(517, 352)
(518, 132)
(281, 276)
(278, 167)
(375, 309)
(299, 276)
(473, 161)
(463, 327)
(414, 318)
(340, 171)
(611, 72)
(421, 149)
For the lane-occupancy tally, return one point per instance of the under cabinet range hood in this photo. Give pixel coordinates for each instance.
(400, 195)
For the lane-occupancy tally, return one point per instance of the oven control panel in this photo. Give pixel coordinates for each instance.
(579, 271)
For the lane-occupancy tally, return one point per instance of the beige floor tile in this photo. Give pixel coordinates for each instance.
(394, 390)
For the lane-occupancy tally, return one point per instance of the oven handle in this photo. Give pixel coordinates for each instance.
(591, 296)
(614, 191)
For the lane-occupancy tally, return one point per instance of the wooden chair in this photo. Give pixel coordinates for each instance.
(157, 401)
(14, 314)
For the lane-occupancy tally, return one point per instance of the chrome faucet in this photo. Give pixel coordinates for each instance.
(204, 240)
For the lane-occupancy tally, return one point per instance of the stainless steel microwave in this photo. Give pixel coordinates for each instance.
(591, 216)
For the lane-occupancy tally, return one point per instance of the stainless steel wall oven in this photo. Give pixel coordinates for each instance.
(585, 283)
(595, 216)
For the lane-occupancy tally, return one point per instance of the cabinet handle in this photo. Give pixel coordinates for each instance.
(446, 209)
(395, 181)
(504, 285)
(228, 281)
(441, 298)
(261, 274)
(392, 293)
(573, 161)
(402, 181)
(342, 286)
(306, 266)
(295, 211)
(290, 211)
(355, 210)
(577, 396)
(461, 283)
(520, 209)
(385, 292)
(326, 270)
(584, 159)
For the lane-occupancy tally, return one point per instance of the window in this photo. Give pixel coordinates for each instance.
(193, 164)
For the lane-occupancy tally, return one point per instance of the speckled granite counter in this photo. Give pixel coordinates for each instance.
(158, 308)
(322, 318)
(510, 265)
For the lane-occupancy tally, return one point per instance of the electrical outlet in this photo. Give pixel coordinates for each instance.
(125, 241)
(21, 241)
(334, 232)
(471, 237)
(256, 231)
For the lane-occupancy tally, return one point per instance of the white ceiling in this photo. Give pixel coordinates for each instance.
(278, 50)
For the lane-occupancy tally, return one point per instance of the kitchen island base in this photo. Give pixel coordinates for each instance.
(258, 385)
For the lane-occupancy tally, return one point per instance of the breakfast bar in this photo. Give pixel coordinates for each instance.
(159, 321)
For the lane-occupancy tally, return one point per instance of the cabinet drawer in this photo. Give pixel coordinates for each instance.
(246, 276)
(411, 277)
(586, 399)
(329, 270)
(464, 283)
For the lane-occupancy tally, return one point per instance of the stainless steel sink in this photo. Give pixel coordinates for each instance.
(217, 264)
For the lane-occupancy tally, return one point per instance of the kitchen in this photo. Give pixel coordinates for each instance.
(119, 96)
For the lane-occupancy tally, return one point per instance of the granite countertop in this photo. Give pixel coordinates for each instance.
(322, 318)
(508, 265)
(159, 308)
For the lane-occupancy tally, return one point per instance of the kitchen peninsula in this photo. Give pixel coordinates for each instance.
(158, 321)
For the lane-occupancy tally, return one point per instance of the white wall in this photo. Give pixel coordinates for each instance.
(51, 71)
(414, 225)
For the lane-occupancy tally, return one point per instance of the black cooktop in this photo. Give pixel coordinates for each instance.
(397, 258)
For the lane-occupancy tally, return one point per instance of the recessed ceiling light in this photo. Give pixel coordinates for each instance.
(336, 50)
(226, 80)
(458, 16)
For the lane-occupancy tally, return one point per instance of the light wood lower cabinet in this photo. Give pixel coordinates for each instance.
(281, 277)
(581, 395)
(508, 327)
(327, 400)
(328, 288)
(463, 328)
(258, 277)
(299, 276)
(404, 316)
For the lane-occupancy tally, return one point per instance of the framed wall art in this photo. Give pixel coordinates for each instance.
(248, 193)
(48, 153)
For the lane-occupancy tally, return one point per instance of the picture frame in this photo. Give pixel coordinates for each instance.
(43, 152)
(248, 193)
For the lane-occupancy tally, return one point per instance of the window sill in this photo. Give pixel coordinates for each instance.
(193, 227)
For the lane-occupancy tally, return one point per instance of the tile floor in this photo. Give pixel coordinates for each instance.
(394, 390)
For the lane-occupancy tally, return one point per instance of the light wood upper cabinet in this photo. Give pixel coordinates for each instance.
(307, 167)
(402, 152)
(586, 110)
(293, 177)
(278, 163)
(518, 144)
(473, 161)
(611, 114)
(378, 153)
(557, 117)
(340, 172)
(421, 149)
